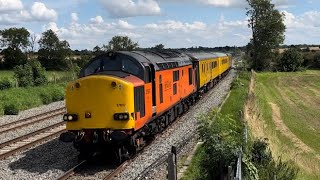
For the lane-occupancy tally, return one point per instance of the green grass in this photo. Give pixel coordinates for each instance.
(25, 98)
(298, 96)
(232, 106)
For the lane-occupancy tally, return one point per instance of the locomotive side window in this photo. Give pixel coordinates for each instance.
(161, 89)
(175, 76)
(174, 88)
(190, 76)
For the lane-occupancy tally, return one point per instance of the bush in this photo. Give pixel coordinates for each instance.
(24, 75)
(46, 98)
(11, 109)
(57, 95)
(30, 74)
(291, 60)
(5, 84)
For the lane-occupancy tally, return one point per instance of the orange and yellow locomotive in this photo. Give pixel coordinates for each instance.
(122, 98)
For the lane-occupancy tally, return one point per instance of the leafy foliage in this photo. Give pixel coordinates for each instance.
(13, 57)
(158, 47)
(15, 38)
(30, 74)
(5, 84)
(11, 109)
(268, 30)
(121, 43)
(222, 137)
(269, 168)
(291, 60)
(53, 52)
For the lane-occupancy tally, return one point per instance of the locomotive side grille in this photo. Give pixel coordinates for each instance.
(139, 105)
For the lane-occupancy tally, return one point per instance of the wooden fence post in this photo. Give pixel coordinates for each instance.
(172, 164)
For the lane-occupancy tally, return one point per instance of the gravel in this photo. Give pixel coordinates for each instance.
(172, 136)
(31, 112)
(28, 113)
(45, 161)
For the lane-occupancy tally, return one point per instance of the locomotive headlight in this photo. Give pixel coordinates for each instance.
(121, 116)
(70, 117)
(65, 117)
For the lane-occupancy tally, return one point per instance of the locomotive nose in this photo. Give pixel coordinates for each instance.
(100, 102)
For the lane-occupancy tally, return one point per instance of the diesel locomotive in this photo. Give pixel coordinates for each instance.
(123, 98)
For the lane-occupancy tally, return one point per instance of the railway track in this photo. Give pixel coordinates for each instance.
(24, 142)
(109, 176)
(30, 120)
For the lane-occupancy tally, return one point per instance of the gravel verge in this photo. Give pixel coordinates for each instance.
(183, 127)
(31, 112)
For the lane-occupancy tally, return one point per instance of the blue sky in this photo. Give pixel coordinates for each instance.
(174, 23)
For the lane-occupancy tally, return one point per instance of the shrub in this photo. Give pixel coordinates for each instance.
(24, 75)
(57, 95)
(46, 98)
(30, 74)
(11, 109)
(5, 84)
(291, 60)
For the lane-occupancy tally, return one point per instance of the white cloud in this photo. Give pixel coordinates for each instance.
(171, 33)
(10, 5)
(130, 8)
(40, 12)
(74, 17)
(97, 20)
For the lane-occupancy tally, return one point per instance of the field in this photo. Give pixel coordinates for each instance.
(17, 98)
(286, 110)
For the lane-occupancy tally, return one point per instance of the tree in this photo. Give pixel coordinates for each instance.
(268, 30)
(291, 60)
(97, 50)
(121, 43)
(14, 40)
(53, 53)
(158, 47)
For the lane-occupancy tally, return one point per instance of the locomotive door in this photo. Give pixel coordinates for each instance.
(152, 78)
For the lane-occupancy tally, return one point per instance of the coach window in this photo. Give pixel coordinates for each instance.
(174, 88)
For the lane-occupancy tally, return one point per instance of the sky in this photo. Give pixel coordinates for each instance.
(173, 23)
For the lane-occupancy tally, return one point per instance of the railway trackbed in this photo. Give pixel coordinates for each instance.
(24, 142)
(30, 120)
(109, 175)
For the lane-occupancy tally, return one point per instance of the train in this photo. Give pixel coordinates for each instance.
(123, 98)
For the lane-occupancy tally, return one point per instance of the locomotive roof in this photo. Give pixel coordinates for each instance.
(160, 59)
(204, 56)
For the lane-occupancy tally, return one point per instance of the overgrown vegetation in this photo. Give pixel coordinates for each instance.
(223, 137)
(16, 99)
(30, 74)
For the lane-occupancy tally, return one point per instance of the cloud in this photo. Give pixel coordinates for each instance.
(97, 20)
(40, 12)
(131, 8)
(74, 17)
(303, 28)
(171, 33)
(10, 5)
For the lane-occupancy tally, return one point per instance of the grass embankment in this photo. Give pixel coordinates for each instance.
(286, 110)
(233, 106)
(17, 99)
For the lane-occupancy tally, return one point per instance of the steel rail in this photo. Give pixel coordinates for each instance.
(72, 171)
(30, 144)
(30, 120)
